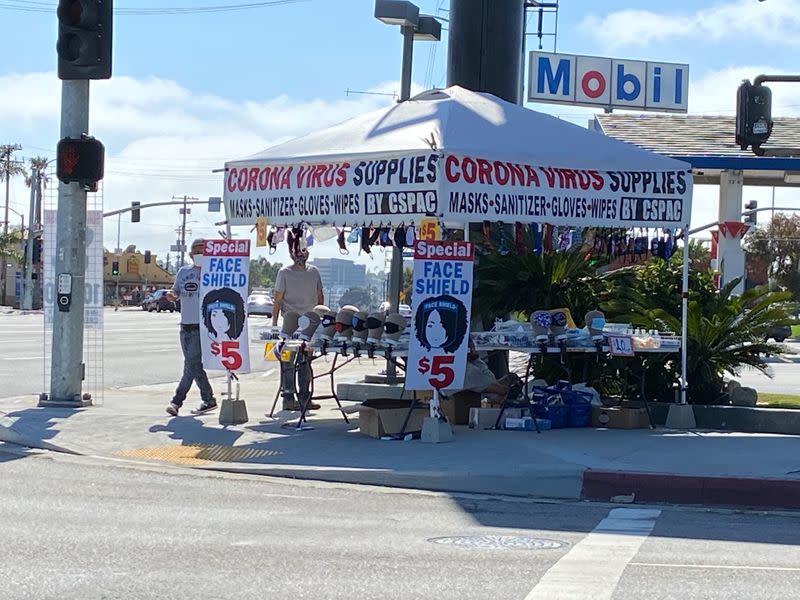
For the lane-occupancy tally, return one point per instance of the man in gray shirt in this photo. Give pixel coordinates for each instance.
(298, 288)
(187, 288)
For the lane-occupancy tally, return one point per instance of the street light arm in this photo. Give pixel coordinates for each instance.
(744, 214)
(777, 78)
(169, 203)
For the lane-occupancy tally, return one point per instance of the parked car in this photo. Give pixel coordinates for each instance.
(259, 302)
(779, 333)
(158, 301)
(403, 309)
(146, 301)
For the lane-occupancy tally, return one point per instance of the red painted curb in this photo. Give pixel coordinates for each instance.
(689, 489)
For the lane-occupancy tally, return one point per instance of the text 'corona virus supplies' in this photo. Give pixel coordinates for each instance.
(442, 300)
(223, 302)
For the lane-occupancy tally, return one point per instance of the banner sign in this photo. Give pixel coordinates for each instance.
(223, 305)
(608, 82)
(442, 301)
(480, 189)
(386, 190)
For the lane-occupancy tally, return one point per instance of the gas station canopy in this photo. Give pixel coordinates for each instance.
(707, 143)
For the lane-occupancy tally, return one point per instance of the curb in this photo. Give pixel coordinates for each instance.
(687, 489)
(9, 436)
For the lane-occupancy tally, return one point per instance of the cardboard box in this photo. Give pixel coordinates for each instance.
(617, 417)
(521, 424)
(485, 418)
(456, 407)
(380, 417)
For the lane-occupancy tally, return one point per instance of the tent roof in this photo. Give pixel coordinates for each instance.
(458, 120)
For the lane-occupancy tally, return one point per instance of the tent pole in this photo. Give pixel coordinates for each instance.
(684, 311)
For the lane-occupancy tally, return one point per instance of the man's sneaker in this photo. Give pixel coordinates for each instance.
(173, 409)
(205, 407)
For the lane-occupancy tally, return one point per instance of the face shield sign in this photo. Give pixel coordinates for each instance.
(442, 300)
(223, 316)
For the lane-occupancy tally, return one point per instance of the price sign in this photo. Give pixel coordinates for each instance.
(223, 305)
(429, 230)
(442, 299)
(271, 355)
(620, 346)
(442, 375)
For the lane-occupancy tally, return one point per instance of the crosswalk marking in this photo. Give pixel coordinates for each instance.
(593, 567)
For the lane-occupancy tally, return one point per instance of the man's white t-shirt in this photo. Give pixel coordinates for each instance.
(187, 288)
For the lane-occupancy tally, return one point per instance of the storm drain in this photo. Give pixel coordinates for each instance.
(498, 542)
(199, 454)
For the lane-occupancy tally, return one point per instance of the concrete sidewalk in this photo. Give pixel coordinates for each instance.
(663, 465)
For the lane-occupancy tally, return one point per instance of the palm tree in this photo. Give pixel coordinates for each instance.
(39, 164)
(8, 169)
(524, 284)
(9, 245)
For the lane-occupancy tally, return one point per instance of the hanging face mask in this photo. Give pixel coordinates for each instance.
(386, 238)
(280, 235)
(502, 248)
(400, 236)
(342, 245)
(273, 244)
(375, 236)
(365, 246)
(355, 235)
(487, 236)
(537, 238)
(519, 239)
(411, 236)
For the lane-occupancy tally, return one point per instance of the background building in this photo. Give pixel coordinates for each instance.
(336, 272)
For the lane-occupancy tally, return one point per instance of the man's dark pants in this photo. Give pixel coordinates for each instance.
(192, 367)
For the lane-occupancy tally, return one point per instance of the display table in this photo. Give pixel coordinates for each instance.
(298, 378)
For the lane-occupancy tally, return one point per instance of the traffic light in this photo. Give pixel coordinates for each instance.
(751, 218)
(115, 268)
(84, 39)
(147, 257)
(136, 212)
(37, 251)
(80, 160)
(753, 116)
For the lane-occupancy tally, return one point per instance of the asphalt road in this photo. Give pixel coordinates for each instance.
(81, 528)
(139, 348)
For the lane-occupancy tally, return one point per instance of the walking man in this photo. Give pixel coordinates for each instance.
(187, 288)
(298, 289)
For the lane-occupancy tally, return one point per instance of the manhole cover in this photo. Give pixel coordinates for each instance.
(498, 542)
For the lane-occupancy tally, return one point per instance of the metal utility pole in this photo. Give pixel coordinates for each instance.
(70, 263)
(184, 211)
(27, 296)
(119, 252)
(9, 152)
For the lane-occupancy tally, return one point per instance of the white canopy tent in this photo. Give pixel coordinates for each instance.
(461, 156)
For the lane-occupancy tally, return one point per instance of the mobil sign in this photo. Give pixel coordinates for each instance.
(608, 82)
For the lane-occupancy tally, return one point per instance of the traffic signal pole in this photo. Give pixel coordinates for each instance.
(66, 372)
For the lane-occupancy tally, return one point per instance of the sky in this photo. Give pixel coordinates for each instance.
(191, 90)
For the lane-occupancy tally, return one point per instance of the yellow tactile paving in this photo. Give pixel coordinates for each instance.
(198, 454)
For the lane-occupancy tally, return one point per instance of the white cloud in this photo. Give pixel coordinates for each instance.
(163, 140)
(776, 22)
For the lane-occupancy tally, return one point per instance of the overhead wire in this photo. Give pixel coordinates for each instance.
(47, 7)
